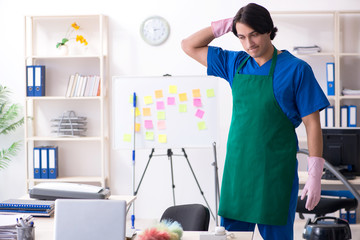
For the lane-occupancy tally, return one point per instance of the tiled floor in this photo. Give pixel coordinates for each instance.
(298, 228)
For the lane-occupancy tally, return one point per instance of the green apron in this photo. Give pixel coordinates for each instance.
(261, 153)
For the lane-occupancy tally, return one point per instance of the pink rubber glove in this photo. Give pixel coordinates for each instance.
(221, 27)
(313, 184)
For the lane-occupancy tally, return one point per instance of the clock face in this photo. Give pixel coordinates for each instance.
(155, 30)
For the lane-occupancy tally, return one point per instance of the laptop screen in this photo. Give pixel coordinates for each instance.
(90, 219)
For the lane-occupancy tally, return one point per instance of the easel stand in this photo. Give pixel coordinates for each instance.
(169, 155)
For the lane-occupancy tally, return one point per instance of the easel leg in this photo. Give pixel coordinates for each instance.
(169, 154)
(142, 177)
(201, 191)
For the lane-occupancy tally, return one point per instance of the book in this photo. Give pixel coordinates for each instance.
(26, 204)
(70, 85)
(34, 208)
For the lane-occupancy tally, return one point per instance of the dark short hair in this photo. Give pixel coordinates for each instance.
(256, 17)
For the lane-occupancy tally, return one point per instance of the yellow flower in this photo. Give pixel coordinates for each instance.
(81, 39)
(75, 26)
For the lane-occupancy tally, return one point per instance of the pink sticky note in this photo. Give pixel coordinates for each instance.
(199, 113)
(197, 102)
(160, 105)
(148, 124)
(171, 101)
(161, 124)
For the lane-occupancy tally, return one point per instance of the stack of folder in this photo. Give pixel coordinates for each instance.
(36, 208)
(35, 80)
(46, 162)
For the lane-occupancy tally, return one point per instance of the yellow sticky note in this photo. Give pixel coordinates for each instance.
(161, 115)
(127, 137)
(149, 135)
(137, 112)
(182, 108)
(196, 93)
(158, 94)
(173, 89)
(148, 100)
(162, 138)
(183, 97)
(146, 112)
(137, 127)
(210, 93)
(131, 99)
(201, 125)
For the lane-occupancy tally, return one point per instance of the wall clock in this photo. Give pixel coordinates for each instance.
(155, 30)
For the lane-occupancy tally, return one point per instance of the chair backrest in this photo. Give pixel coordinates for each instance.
(192, 217)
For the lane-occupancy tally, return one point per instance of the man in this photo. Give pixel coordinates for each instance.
(273, 92)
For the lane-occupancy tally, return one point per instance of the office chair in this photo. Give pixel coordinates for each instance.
(192, 217)
(330, 205)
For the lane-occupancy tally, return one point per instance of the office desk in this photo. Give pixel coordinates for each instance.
(44, 230)
(329, 184)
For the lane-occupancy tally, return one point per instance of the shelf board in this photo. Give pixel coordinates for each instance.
(64, 57)
(68, 179)
(349, 54)
(65, 139)
(350, 97)
(315, 54)
(47, 98)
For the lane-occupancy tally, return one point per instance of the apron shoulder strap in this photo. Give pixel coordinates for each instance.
(242, 64)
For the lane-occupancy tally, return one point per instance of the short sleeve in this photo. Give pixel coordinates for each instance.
(223, 63)
(309, 95)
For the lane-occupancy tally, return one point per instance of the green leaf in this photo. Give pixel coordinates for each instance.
(64, 40)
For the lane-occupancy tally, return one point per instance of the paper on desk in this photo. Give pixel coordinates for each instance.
(10, 220)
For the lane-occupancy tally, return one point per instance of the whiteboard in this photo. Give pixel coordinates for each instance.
(171, 112)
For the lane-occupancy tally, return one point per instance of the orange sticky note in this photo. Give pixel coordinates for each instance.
(137, 127)
(158, 94)
(196, 93)
(146, 112)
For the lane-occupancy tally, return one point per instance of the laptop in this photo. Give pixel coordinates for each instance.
(90, 219)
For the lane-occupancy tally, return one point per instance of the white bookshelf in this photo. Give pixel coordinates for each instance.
(336, 32)
(80, 159)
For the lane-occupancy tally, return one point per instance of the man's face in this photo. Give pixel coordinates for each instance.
(254, 43)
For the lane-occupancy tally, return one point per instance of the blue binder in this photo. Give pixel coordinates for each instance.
(53, 161)
(44, 163)
(330, 77)
(352, 116)
(329, 117)
(39, 80)
(30, 81)
(344, 116)
(37, 162)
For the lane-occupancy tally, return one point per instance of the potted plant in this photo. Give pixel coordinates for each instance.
(10, 120)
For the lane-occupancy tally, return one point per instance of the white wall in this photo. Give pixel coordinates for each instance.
(129, 55)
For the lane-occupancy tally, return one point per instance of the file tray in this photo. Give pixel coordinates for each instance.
(55, 190)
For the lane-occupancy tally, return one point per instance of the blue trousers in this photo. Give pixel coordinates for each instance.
(270, 232)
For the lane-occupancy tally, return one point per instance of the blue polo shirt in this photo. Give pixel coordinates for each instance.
(295, 88)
